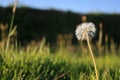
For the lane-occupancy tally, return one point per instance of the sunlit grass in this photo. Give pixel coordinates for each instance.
(63, 65)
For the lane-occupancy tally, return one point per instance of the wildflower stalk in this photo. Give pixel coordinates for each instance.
(100, 37)
(8, 40)
(11, 24)
(93, 59)
(85, 31)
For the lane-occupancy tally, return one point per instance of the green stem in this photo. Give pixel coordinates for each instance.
(11, 25)
(93, 59)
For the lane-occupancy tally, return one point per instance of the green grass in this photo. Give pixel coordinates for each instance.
(35, 64)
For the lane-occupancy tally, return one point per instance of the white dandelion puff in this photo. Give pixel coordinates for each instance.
(85, 30)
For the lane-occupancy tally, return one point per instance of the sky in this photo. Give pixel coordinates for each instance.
(80, 6)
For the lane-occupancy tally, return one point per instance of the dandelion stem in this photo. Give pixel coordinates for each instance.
(93, 59)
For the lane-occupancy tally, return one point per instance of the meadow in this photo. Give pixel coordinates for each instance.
(41, 62)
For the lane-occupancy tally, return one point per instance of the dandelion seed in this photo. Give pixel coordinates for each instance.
(85, 30)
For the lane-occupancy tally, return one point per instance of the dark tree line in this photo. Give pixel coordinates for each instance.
(35, 24)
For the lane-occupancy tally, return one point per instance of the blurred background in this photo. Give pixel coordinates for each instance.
(55, 20)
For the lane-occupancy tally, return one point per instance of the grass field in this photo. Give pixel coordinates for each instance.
(36, 63)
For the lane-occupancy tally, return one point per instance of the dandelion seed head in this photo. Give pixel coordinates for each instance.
(85, 30)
